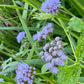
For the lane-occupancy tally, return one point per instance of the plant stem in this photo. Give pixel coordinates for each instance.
(74, 35)
(63, 26)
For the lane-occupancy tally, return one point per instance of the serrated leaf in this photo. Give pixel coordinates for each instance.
(80, 51)
(69, 75)
(43, 69)
(76, 24)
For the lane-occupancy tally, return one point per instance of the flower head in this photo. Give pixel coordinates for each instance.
(1, 80)
(53, 55)
(20, 36)
(24, 73)
(50, 6)
(44, 33)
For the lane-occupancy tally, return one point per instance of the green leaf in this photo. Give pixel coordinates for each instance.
(73, 41)
(7, 79)
(25, 12)
(81, 79)
(48, 79)
(76, 24)
(81, 37)
(14, 7)
(31, 53)
(80, 51)
(19, 3)
(33, 3)
(79, 5)
(37, 62)
(43, 69)
(18, 28)
(9, 67)
(6, 83)
(68, 50)
(69, 75)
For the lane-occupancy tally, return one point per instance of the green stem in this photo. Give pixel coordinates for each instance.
(68, 12)
(56, 21)
(43, 73)
(71, 60)
(62, 25)
(81, 65)
(74, 35)
(10, 55)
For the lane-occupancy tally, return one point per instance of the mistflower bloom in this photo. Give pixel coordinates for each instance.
(24, 74)
(44, 33)
(20, 36)
(1, 80)
(50, 6)
(53, 55)
(54, 70)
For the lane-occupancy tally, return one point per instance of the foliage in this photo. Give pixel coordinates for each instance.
(27, 16)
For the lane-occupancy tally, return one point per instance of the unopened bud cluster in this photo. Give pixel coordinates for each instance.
(24, 74)
(44, 33)
(53, 55)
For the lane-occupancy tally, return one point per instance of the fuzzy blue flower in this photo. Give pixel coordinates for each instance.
(53, 55)
(49, 66)
(1, 80)
(44, 33)
(20, 36)
(24, 73)
(54, 70)
(50, 6)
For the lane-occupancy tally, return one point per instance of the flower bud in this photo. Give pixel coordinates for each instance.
(54, 53)
(51, 49)
(57, 38)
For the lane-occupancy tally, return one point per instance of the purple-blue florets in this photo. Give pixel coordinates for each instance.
(1, 80)
(24, 73)
(20, 36)
(50, 6)
(53, 55)
(44, 33)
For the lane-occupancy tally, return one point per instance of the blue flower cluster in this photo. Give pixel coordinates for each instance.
(44, 33)
(24, 74)
(1, 80)
(53, 55)
(20, 36)
(50, 6)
